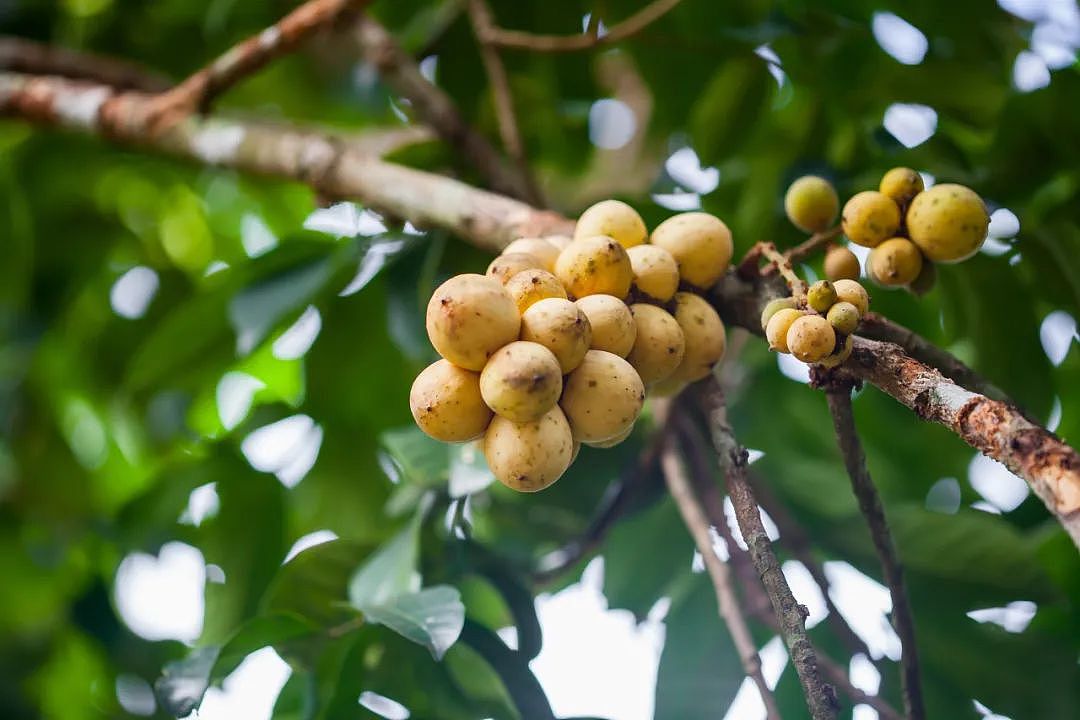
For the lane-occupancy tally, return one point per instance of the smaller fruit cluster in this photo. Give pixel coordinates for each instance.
(556, 345)
(907, 228)
(818, 329)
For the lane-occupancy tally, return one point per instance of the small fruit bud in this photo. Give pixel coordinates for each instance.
(821, 296)
(774, 306)
(844, 317)
(841, 264)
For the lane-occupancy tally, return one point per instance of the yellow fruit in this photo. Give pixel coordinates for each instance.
(774, 306)
(561, 327)
(895, 262)
(811, 338)
(811, 203)
(529, 456)
(655, 272)
(533, 285)
(869, 218)
(612, 442)
(839, 356)
(613, 327)
(777, 328)
(853, 292)
(595, 266)
(446, 403)
(844, 317)
(614, 219)
(948, 222)
(508, 265)
(841, 264)
(667, 388)
(521, 381)
(539, 248)
(602, 397)
(699, 242)
(704, 334)
(660, 344)
(821, 295)
(561, 242)
(469, 317)
(901, 184)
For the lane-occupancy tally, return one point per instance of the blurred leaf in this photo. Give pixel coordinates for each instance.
(389, 573)
(431, 617)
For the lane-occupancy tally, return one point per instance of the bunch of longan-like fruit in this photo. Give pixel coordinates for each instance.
(817, 329)
(558, 343)
(908, 229)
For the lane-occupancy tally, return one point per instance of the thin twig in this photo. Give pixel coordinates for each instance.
(808, 247)
(21, 55)
(694, 518)
(632, 25)
(782, 264)
(790, 615)
(436, 108)
(839, 398)
(839, 677)
(506, 118)
(197, 92)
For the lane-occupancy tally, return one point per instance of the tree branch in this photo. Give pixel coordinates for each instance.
(482, 22)
(838, 676)
(839, 399)
(197, 92)
(19, 55)
(437, 109)
(694, 518)
(790, 615)
(807, 248)
(632, 25)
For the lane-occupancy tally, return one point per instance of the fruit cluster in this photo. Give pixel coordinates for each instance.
(556, 345)
(908, 229)
(818, 329)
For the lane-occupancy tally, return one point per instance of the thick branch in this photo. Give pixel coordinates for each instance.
(694, 518)
(197, 92)
(327, 163)
(19, 55)
(877, 327)
(1050, 467)
(839, 398)
(437, 109)
(790, 615)
(582, 41)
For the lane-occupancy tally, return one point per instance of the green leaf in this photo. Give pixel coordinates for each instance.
(432, 617)
(389, 573)
(183, 683)
(422, 459)
(514, 670)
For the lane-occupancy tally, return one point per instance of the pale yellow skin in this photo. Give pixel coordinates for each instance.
(508, 265)
(521, 381)
(660, 344)
(612, 442)
(615, 219)
(839, 356)
(948, 222)
(841, 264)
(901, 184)
(853, 292)
(704, 334)
(529, 456)
(595, 266)
(446, 403)
(811, 338)
(533, 285)
(700, 243)
(602, 397)
(844, 317)
(895, 262)
(561, 327)
(667, 388)
(774, 306)
(870, 218)
(656, 274)
(469, 317)
(821, 295)
(613, 327)
(539, 248)
(561, 242)
(811, 204)
(777, 329)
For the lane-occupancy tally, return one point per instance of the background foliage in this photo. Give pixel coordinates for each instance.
(109, 422)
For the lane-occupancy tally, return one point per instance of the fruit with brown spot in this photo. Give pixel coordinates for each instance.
(469, 317)
(446, 403)
(704, 333)
(561, 327)
(660, 344)
(521, 381)
(870, 218)
(602, 397)
(596, 265)
(700, 243)
(529, 456)
(613, 327)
